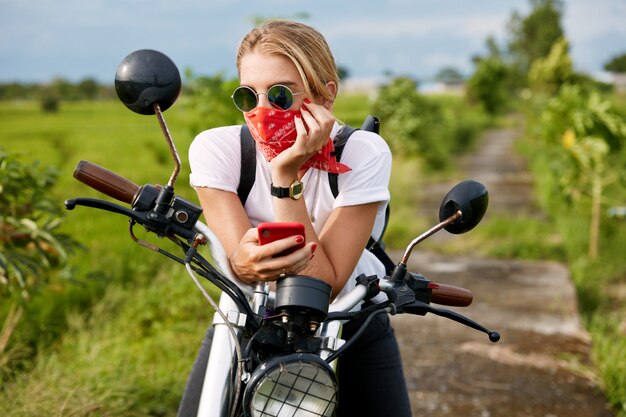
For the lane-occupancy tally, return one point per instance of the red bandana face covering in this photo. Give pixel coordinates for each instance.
(275, 130)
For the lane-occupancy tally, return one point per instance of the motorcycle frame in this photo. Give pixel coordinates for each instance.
(217, 386)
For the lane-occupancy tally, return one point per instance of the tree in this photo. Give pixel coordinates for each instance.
(590, 154)
(63, 88)
(49, 100)
(449, 75)
(487, 85)
(592, 132)
(88, 89)
(492, 47)
(414, 125)
(258, 20)
(493, 50)
(616, 64)
(342, 72)
(532, 36)
(548, 74)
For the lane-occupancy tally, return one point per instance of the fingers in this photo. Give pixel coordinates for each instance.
(308, 252)
(313, 126)
(272, 268)
(279, 246)
(321, 114)
(251, 236)
(253, 262)
(319, 122)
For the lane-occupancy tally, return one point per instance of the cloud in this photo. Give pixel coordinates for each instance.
(438, 60)
(596, 31)
(585, 20)
(76, 37)
(478, 26)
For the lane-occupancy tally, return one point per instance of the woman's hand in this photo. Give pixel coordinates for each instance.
(313, 127)
(252, 262)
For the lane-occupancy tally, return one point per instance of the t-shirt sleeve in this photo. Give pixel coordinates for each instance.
(215, 159)
(370, 159)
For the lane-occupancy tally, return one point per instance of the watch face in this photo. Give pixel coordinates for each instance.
(296, 190)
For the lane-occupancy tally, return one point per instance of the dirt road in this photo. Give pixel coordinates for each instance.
(541, 367)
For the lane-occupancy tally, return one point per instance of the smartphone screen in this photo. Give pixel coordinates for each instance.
(272, 231)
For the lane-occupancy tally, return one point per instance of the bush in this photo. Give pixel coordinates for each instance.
(550, 73)
(578, 157)
(50, 103)
(31, 246)
(487, 86)
(432, 129)
(209, 100)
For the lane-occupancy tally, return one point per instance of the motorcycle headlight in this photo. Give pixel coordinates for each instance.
(296, 385)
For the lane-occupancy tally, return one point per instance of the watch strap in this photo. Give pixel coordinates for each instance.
(280, 192)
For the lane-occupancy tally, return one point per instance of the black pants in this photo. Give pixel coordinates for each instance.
(371, 382)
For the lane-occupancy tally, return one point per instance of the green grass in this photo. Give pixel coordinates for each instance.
(352, 109)
(405, 221)
(510, 237)
(119, 335)
(107, 134)
(609, 350)
(104, 133)
(130, 356)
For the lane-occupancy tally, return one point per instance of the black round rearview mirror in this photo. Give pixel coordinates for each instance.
(146, 77)
(472, 199)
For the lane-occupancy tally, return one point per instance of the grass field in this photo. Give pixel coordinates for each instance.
(140, 337)
(118, 337)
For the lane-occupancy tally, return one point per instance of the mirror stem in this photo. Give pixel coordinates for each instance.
(170, 144)
(456, 216)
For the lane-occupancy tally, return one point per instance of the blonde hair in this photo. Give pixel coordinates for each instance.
(301, 44)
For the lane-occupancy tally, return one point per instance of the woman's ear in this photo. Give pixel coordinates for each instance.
(331, 87)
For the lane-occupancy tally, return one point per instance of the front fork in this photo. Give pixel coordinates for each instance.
(217, 389)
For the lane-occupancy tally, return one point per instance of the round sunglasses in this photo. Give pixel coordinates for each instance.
(280, 97)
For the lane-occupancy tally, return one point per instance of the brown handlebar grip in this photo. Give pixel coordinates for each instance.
(106, 181)
(450, 295)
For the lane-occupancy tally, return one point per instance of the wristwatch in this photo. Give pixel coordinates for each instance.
(295, 190)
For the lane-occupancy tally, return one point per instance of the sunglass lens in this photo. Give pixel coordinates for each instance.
(244, 99)
(280, 96)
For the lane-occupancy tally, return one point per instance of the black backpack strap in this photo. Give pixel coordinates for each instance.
(377, 247)
(248, 164)
(341, 138)
(371, 124)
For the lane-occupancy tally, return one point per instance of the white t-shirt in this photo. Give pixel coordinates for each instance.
(215, 160)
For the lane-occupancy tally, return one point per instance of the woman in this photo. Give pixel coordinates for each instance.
(288, 86)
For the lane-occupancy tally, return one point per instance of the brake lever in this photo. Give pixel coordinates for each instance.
(107, 206)
(151, 220)
(420, 308)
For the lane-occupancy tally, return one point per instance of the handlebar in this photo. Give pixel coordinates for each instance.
(450, 295)
(118, 187)
(105, 181)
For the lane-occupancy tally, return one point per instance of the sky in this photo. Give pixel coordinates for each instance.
(77, 39)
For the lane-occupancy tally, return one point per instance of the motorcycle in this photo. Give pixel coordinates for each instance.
(274, 353)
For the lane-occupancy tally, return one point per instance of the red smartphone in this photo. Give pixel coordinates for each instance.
(272, 231)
